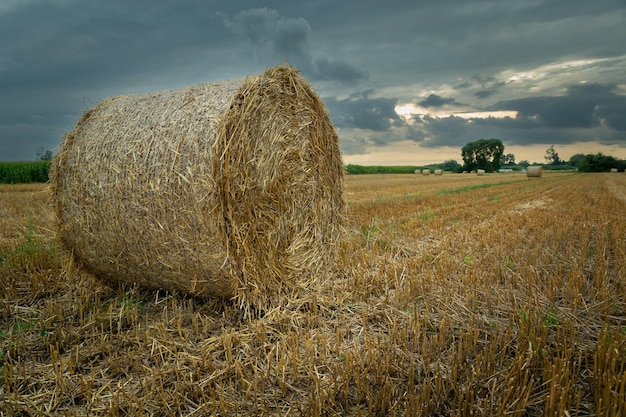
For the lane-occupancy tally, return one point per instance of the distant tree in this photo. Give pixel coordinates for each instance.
(552, 157)
(44, 154)
(451, 165)
(576, 159)
(524, 163)
(600, 163)
(508, 159)
(483, 154)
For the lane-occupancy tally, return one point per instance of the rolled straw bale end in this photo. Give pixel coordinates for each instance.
(230, 189)
(480, 172)
(426, 172)
(613, 169)
(438, 172)
(417, 171)
(534, 171)
(280, 178)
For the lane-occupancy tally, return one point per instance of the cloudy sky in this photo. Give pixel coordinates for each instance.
(405, 82)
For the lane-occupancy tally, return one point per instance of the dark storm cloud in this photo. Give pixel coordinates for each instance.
(269, 32)
(584, 106)
(58, 57)
(363, 112)
(57, 44)
(287, 37)
(447, 131)
(434, 100)
(586, 111)
(485, 86)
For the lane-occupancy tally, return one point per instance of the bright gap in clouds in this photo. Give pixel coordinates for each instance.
(407, 111)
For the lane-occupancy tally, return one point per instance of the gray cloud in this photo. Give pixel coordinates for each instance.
(57, 57)
(585, 111)
(434, 100)
(270, 32)
(375, 114)
(584, 106)
(289, 38)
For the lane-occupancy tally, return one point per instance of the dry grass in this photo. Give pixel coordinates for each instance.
(454, 296)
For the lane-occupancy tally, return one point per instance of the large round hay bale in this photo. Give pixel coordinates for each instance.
(534, 171)
(439, 172)
(426, 172)
(230, 189)
(613, 170)
(480, 172)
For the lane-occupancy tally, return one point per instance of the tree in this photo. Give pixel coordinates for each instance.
(508, 159)
(44, 154)
(524, 163)
(576, 159)
(600, 163)
(451, 165)
(482, 154)
(552, 157)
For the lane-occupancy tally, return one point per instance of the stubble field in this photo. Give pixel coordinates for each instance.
(452, 295)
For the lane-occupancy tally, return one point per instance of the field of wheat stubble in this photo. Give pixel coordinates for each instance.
(451, 295)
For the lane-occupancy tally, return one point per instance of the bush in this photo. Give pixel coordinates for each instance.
(600, 163)
(24, 172)
(379, 169)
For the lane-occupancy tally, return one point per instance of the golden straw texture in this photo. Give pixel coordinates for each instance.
(228, 189)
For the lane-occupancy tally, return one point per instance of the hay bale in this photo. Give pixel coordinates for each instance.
(614, 170)
(426, 172)
(480, 172)
(417, 171)
(439, 172)
(534, 171)
(231, 189)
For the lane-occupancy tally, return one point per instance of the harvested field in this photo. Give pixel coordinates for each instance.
(455, 295)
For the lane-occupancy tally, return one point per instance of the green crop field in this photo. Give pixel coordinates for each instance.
(452, 295)
(24, 172)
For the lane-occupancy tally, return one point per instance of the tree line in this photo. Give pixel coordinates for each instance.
(488, 154)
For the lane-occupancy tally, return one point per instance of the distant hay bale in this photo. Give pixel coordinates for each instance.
(480, 172)
(426, 172)
(613, 169)
(472, 172)
(417, 171)
(439, 172)
(465, 172)
(534, 171)
(231, 189)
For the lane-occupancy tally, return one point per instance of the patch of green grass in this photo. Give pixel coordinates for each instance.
(425, 215)
(509, 264)
(473, 187)
(31, 253)
(550, 319)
